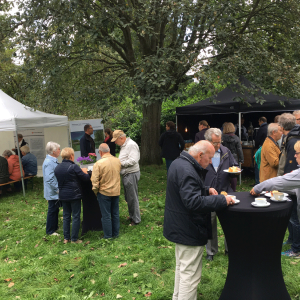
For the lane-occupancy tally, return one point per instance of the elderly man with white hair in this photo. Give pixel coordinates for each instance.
(270, 153)
(130, 171)
(51, 187)
(187, 215)
(106, 186)
(218, 179)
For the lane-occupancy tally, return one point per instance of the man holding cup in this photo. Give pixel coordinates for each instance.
(187, 215)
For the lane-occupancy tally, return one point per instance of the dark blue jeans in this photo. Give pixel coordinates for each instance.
(256, 172)
(109, 207)
(52, 216)
(71, 207)
(294, 228)
(168, 163)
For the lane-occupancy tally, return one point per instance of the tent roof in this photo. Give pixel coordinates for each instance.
(15, 115)
(225, 103)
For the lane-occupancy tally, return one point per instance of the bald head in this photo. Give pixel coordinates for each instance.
(103, 148)
(202, 152)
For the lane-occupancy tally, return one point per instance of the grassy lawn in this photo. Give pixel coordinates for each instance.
(34, 265)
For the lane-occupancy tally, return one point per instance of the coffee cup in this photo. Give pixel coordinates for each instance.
(260, 201)
(232, 197)
(278, 195)
(90, 168)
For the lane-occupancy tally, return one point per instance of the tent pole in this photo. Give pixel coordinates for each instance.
(240, 135)
(20, 163)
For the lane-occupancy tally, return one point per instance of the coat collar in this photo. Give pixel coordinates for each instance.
(192, 160)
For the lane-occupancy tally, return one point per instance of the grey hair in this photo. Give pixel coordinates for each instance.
(287, 121)
(51, 147)
(25, 149)
(210, 131)
(104, 148)
(272, 127)
(296, 112)
(7, 153)
(197, 148)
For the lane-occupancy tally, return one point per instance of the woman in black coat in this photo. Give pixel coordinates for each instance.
(108, 136)
(69, 177)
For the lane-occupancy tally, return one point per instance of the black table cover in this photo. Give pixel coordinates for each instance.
(91, 211)
(254, 237)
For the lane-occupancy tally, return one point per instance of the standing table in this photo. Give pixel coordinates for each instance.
(254, 237)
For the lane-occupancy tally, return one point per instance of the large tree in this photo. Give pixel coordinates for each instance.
(148, 46)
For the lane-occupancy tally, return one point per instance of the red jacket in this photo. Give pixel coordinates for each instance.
(14, 167)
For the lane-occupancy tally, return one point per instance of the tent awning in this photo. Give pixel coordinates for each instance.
(15, 115)
(225, 102)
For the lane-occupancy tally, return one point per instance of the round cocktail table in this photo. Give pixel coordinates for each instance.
(254, 237)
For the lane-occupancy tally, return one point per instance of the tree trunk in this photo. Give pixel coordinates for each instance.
(150, 151)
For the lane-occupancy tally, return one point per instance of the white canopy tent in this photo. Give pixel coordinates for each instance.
(16, 117)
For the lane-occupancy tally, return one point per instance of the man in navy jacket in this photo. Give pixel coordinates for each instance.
(187, 215)
(219, 180)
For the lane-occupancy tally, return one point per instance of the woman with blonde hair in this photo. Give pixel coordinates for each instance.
(69, 177)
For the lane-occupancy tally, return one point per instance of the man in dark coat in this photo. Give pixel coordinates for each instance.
(291, 130)
(262, 132)
(203, 126)
(87, 144)
(21, 142)
(187, 215)
(219, 180)
(171, 143)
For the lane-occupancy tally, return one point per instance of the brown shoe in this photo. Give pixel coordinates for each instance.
(66, 241)
(133, 223)
(77, 242)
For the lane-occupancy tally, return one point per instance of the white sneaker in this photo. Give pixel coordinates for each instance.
(55, 233)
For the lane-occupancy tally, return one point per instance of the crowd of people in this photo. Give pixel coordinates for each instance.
(10, 169)
(196, 180)
(63, 183)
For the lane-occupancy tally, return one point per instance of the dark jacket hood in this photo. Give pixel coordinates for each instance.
(295, 130)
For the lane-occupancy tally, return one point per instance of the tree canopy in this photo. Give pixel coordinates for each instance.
(99, 51)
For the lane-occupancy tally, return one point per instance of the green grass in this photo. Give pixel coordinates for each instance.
(42, 267)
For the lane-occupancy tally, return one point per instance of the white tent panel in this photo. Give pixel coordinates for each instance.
(14, 114)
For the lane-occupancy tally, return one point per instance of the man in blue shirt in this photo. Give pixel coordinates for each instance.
(29, 161)
(219, 180)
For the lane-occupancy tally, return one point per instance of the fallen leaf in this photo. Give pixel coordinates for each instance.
(141, 261)
(293, 262)
(65, 252)
(128, 291)
(87, 242)
(116, 256)
(56, 279)
(18, 242)
(72, 276)
(148, 294)
(93, 281)
(119, 296)
(36, 245)
(135, 275)
(122, 265)
(18, 297)
(40, 257)
(102, 294)
(8, 279)
(11, 284)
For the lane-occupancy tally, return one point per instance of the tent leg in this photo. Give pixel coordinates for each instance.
(20, 163)
(240, 135)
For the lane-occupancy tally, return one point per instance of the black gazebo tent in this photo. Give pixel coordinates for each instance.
(227, 103)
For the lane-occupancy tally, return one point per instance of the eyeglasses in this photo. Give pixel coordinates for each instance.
(216, 143)
(296, 153)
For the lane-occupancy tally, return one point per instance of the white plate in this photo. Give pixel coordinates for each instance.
(237, 201)
(283, 200)
(264, 205)
(233, 172)
(269, 194)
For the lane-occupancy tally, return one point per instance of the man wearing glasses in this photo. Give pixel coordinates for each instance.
(219, 180)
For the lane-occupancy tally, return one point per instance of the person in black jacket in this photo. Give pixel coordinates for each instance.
(262, 132)
(187, 215)
(4, 175)
(21, 142)
(171, 143)
(87, 143)
(291, 130)
(203, 126)
(69, 175)
(108, 136)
